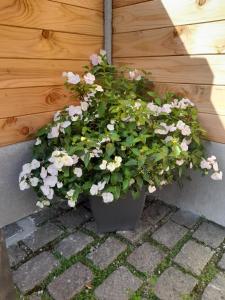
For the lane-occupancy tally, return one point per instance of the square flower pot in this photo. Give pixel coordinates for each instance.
(121, 214)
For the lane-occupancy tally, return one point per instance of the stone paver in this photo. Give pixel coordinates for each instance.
(210, 234)
(221, 263)
(174, 284)
(71, 282)
(185, 218)
(146, 258)
(194, 257)
(74, 218)
(169, 234)
(215, 290)
(45, 215)
(120, 285)
(107, 252)
(151, 215)
(73, 244)
(42, 236)
(33, 272)
(11, 229)
(35, 296)
(16, 255)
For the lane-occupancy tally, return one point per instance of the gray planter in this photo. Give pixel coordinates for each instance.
(121, 214)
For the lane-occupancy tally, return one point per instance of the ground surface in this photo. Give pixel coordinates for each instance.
(57, 254)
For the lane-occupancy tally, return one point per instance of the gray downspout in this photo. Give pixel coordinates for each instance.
(108, 29)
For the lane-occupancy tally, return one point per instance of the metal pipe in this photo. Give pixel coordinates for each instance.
(108, 29)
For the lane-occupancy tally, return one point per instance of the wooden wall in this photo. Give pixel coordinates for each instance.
(39, 39)
(183, 44)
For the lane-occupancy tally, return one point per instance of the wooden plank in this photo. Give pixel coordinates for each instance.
(165, 13)
(200, 69)
(22, 101)
(120, 3)
(208, 98)
(34, 43)
(18, 129)
(7, 291)
(206, 38)
(44, 14)
(214, 126)
(90, 4)
(35, 72)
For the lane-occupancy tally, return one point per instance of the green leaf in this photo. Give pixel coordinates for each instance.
(86, 159)
(110, 149)
(131, 162)
(139, 181)
(126, 182)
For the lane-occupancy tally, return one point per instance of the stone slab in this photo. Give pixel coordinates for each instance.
(185, 218)
(70, 283)
(120, 285)
(74, 218)
(146, 258)
(73, 244)
(169, 234)
(11, 229)
(215, 290)
(194, 257)
(34, 271)
(210, 234)
(174, 284)
(16, 255)
(107, 252)
(221, 263)
(42, 236)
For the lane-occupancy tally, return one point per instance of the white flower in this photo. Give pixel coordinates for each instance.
(47, 191)
(186, 130)
(118, 161)
(59, 185)
(163, 130)
(137, 104)
(95, 59)
(111, 166)
(168, 139)
(191, 165)
(70, 193)
(72, 78)
(35, 164)
(217, 175)
(74, 119)
(38, 141)
(151, 189)
(34, 181)
(94, 190)
(52, 170)
(102, 52)
(101, 185)
(54, 132)
(50, 181)
(205, 164)
(166, 108)
(99, 88)
(135, 75)
(43, 173)
(84, 105)
(215, 166)
(103, 165)
(78, 172)
(26, 168)
(65, 124)
(57, 116)
(211, 159)
(110, 127)
(180, 125)
(163, 182)
(67, 160)
(132, 181)
(184, 145)
(46, 202)
(89, 78)
(74, 110)
(179, 162)
(75, 159)
(24, 185)
(71, 203)
(107, 197)
(40, 204)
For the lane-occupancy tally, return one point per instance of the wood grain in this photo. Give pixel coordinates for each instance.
(35, 72)
(90, 4)
(206, 38)
(120, 3)
(22, 101)
(49, 15)
(18, 129)
(34, 43)
(214, 126)
(165, 13)
(208, 98)
(198, 69)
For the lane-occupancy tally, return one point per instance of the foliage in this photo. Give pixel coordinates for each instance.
(120, 137)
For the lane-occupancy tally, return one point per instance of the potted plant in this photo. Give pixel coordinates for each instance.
(119, 139)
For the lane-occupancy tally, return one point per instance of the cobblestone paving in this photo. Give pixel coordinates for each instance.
(172, 255)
